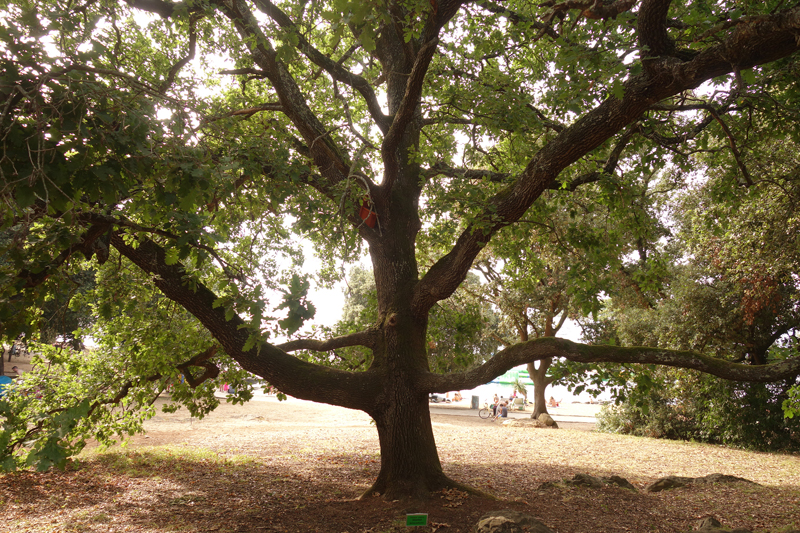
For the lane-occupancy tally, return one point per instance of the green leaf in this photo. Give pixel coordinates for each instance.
(171, 257)
(367, 39)
(25, 195)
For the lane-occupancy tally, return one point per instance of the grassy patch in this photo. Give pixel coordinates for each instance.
(165, 461)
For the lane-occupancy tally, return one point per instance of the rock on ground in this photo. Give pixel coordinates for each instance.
(530, 422)
(710, 524)
(509, 521)
(673, 482)
(548, 420)
(586, 480)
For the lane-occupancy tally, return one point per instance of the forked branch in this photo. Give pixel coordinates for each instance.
(334, 68)
(443, 11)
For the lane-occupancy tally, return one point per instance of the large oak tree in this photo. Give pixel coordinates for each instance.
(421, 129)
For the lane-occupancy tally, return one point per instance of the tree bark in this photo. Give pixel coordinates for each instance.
(410, 465)
(540, 383)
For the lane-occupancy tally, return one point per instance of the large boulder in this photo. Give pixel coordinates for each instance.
(548, 420)
(508, 521)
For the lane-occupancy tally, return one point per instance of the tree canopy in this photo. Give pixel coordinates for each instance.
(182, 149)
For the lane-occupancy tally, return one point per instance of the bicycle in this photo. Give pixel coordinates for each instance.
(486, 412)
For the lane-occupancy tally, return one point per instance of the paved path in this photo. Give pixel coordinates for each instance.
(577, 414)
(568, 413)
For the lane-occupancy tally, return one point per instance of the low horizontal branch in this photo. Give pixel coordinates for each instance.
(538, 349)
(201, 360)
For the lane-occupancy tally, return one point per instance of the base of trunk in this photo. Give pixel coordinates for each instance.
(410, 467)
(419, 489)
(540, 383)
(539, 410)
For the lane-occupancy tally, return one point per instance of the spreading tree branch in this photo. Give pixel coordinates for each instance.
(160, 7)
(201, 360)
(130, 80)
(774, 37)
(87, 246)
(334, 68)
(176, 68)
(473, 121)
(287, 373)
(443, 169)
(547, 122)
(608, 169)
(601, 9)
(327, 156)
(654, 40)
(591, 9)
(547, 347)
(732, 142)
(247, 112)
(516, 18)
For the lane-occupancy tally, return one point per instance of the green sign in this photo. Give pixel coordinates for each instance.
(417, 519)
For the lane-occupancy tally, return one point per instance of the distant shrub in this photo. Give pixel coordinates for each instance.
(686, 405)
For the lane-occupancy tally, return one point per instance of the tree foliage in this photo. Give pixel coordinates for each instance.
(732, 291)
(183, 149)
(686, 405)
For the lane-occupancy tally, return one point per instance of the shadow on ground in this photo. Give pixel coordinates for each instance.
(182, 489)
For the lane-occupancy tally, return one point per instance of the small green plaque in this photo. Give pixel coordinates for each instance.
(417, 519)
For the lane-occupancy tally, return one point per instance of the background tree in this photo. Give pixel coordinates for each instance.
(732, 292)
(567, 255)
(447, 120)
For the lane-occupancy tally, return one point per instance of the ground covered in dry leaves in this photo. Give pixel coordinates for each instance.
(298, 467)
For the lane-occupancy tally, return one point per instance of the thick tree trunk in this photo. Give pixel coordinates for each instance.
(539, 402)
(540, 383)
(410, 465)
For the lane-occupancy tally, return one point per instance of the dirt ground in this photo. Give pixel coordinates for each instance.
(23, 362)
(297, 466)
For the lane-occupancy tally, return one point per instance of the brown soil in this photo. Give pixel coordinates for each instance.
(296, 467)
